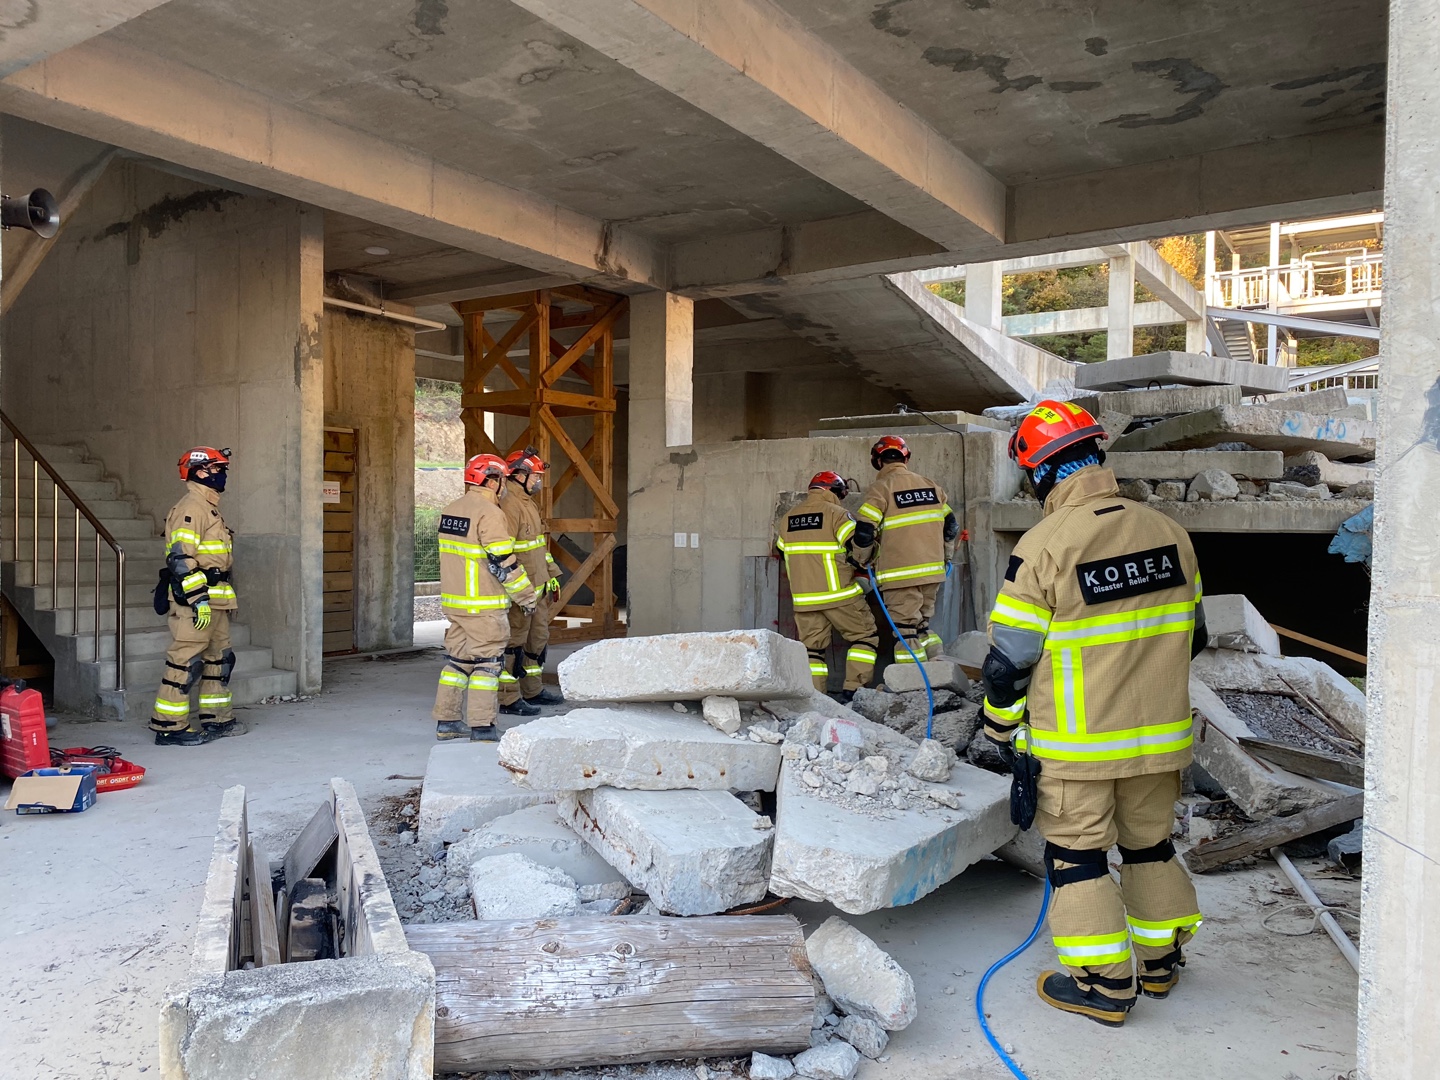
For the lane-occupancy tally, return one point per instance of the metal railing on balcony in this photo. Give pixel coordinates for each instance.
(75, 510)
(1311, 278)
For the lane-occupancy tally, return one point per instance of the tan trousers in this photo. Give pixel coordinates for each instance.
(853, 622)
(1095, 922)
(470, 679)
(529, 634)
(194, 653)
(912, 607)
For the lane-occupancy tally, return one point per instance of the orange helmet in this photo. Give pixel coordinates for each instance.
(888, 442)
(484, 467)
(527, 461)
(1049, 428)
(200, 456)
(831, 481)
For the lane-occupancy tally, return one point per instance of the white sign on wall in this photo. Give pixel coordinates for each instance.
(330, 491)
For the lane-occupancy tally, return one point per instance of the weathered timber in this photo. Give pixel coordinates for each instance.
(1322, 766)
(262, 909)
(556, 993)
(309, 936)
(1264, 835)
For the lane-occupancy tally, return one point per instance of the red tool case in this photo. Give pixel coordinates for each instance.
(23, 742)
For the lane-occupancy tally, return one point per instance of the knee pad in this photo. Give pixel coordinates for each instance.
(1157, 853)
(1090, 864)
(193, 672)
(227, 666)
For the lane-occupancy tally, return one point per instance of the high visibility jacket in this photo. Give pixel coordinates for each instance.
(1099, 603)
(813, 537)
(532, 546)
(474, 539)
(909, 513)
(195, 529)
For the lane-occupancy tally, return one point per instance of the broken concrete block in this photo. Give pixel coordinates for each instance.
(1177, 464)
(864, 1035)
(835, 732)
(721, 713)
(1027, 851)
(1191, 369)
(970, 649)
(752, 665)
(1212, 485)
(1282, 489)
(1259, 788)
(943, 675)
(1171, 490)
(765, 1067)
(464, 788)
(859, 863)
(1363, 490)
(932, 762)
(537, 833)
(833, 1061)
(1233, 623)
(1311, 468)
(1136, 490)
(637, 749)
(1333, 694)
(514, 887)
(1171, 401)
(1325, 402)
(860, 977)
(1262, 429)
(694, 852)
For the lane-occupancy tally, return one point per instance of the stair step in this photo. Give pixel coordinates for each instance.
(134, 528)
(146, 642)
(87, 490)
(245, 689)
(70, 472)
(104, 509)
(149, 670)
(137, 617)
(57, 452)
(140, 571)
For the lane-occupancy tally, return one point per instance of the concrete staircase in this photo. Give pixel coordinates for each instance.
(1238, 342)
(85, 680)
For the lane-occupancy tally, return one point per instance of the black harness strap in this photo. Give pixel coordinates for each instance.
(1089, 864)
(1161, 852)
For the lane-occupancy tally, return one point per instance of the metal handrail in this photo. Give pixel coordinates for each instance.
(60, 487)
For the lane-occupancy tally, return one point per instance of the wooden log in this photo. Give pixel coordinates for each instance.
(262, 909)
(557, 993)
(1322, 766)
(1264, 835)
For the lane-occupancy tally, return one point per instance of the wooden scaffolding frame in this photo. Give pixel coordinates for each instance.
(535, 394)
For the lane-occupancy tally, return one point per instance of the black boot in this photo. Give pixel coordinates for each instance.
(1157, 982)
(1060, 990)
(520, 707)
(450, 729)
(223, 729)
(547, 697)
(183, 737)
(484, 734)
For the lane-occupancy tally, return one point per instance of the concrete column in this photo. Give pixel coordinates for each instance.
(1399, 1022)
(309, 610)
(662, 352)
(982, 294)
(1195, 341)
(1120, 318)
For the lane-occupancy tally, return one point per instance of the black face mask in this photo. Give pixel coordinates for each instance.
(215, 480)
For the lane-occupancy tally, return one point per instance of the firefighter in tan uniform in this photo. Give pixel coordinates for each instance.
(479, 579)
(1091, 640)
(816, 538)
(201, 600)
(521, 692)
(908, 517)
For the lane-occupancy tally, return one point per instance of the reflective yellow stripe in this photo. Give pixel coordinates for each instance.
(452, 678)
(844, 532)
(1068, 673)
(812, 549)
(902, 573)
(1112, 745)
(1124, 625)
(871, 513)
(915, 517)
(1093, 949)
(172, 708)
(517, 583)
(461, 548)
(802, 600)
(214, 701)
(222, 591)
(484, 682)
(534, 670)
(508, 679)
(902, 654)
(474, 603)
(1012, 612)
(213, 547)
(819, 667)
(190, 581)
(1011, 714)
(861, 654)
(530, 545)
(1147, 932)
(500, 548)
(550, 558)
(184, 536)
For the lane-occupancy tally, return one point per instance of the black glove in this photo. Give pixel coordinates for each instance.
(1005, 749)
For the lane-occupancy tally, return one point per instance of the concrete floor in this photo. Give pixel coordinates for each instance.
(96, 915)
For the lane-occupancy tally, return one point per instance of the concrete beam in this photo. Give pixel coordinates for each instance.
(120, 95)
(1120, 315)
(476, 286)
(46, 29)
(1085, 320)
(1298, 322)
(1163, 280)
(753, 66)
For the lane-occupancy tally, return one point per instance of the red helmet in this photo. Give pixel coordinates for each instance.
(830, 481)
(527, 461)
(1049, 428)
(200, 456)
(888, 442)
(484, 467)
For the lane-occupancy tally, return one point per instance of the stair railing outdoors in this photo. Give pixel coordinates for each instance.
(60, 488)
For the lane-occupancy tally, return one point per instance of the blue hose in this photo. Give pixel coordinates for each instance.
(980, 991)
(929, 693)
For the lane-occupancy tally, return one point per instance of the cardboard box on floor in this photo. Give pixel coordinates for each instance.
(53, 791)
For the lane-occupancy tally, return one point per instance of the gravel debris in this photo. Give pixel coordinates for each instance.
(1279, 717)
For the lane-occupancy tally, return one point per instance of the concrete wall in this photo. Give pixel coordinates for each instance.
(370, 386)
(169, 314)
(735, 405)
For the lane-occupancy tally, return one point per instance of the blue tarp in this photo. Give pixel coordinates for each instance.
(1353, 538)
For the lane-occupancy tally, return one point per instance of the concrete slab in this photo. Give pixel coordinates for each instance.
(1184, 464)
(751, 665)
(1327, 402)
(1336, 696)
(1279, 516)
(943, 675)
(694, 852)
(1188, 369)
(1168, 402)
(465, 787)
(636, 749)
(1264, 429)
(1311, 468)
(903, 424)
(862, 863)
(1234, 624)
(537, 833)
